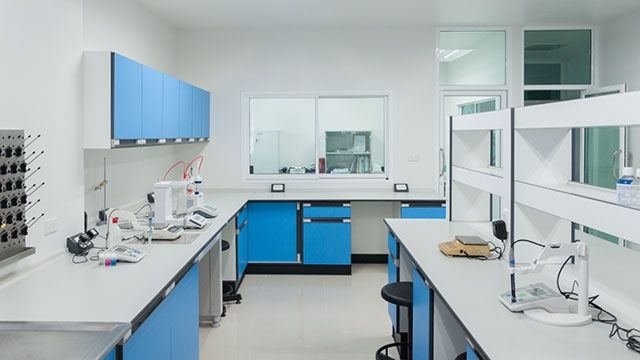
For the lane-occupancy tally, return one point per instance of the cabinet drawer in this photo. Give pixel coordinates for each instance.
(327, 211)
(423, 211)
(327, 242)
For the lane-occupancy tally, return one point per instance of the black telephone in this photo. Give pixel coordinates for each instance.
(81, 243)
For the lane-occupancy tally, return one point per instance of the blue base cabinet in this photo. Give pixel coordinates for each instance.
(326, 233)
(273, 232)
(111, 355)
(171, 331)
(471, 354)
(422, 319)
(393, 276)
(242, 243)
(423, 210)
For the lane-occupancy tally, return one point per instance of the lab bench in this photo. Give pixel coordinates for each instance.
(456, 307)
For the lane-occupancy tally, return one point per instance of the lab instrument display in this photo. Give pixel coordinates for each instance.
(122, 253)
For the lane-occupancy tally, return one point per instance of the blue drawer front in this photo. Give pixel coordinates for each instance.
(273, 232)
(326, 212)
(327, 243)
(393, 277)
(424, 212)
(471, 354)
(127, 98)
(111, 355)
(421, 330)
(393, 245)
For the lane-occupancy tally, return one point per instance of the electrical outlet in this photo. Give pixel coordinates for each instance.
(414, 158)
(50, 226)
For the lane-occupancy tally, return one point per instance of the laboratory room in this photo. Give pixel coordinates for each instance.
(306, 180)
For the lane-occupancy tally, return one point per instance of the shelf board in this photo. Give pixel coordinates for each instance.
(611, 110)
(489, 180)
(493, 120)
(348, 153)
(586, 205)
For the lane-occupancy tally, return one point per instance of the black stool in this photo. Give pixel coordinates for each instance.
(229, 293)
(401, 294)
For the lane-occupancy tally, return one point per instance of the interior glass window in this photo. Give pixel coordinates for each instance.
(557, 57)
(472, 57)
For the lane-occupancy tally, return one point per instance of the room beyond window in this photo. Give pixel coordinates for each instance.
(317, 136)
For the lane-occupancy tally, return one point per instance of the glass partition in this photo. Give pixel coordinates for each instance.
(557, 57)
(472, 57)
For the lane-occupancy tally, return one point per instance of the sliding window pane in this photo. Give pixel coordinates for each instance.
(283, 133)
(557, 57)
(352, 135)
(472, 57)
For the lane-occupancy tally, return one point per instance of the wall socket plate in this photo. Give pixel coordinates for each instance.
(414, 158)
(50, 226)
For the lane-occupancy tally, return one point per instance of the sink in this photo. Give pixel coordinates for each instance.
(67, 340)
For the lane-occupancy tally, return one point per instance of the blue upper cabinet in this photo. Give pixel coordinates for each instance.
(206, 118)
(152, 106)
(170, 106)
(196, 122)
(185, 127)
(127, 99)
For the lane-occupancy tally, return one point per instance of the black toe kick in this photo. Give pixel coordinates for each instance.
(297, 269)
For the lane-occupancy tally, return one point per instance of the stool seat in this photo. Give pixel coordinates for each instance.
(225, 245)
(398, 293)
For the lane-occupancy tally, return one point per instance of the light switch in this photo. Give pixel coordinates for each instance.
(50, 226)
(414, 158)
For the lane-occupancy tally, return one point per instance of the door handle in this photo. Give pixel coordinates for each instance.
(442, 159)
(614, 155)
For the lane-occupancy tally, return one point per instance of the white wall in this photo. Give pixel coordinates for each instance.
(618, 51)
(40, 92)
(399, 60)
(129, 28)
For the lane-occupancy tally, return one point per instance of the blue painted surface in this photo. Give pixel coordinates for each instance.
(327, 243)
(196, 121)
(326, 212)
(421, 331)
(171, 331)
(127, 98)
(111, 355)
(272, 232)
(183, 313)
(471, 354)
(185, 110)
(393, 245)
(151, 103)
(170, 106)
(242, 247)
(206, 119)
(392, 277)
(242, 216)
(424, 212)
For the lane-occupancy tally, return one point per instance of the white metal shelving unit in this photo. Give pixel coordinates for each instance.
(473, 180)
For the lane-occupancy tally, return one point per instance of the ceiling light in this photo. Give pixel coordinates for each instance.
(449, 55)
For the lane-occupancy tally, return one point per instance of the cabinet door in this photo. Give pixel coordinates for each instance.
(327, 242)
(196, 122)
(127, 99)
(152, 340)
(186, 110)
(243, 251)
(392, 277)
(151, 103)
(111, 355)
(206, 115)
(420, 211)
(273, 232)
(422, 318)
(183, 314)
(170, 106)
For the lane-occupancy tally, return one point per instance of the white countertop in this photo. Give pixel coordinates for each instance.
(471, 288)
(59, 290)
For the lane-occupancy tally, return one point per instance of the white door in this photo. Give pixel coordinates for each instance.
(265, 153)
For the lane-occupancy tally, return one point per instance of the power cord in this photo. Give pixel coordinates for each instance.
(631, 336)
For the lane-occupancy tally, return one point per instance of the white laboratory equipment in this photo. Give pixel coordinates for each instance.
(540, 303)
(165, 211)
(154, 232)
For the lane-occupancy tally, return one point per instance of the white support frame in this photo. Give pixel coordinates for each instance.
(372, 179)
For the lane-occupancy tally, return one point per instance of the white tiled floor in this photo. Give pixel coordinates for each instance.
(289, 317)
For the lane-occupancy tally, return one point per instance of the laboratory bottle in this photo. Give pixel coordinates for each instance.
(114, 234)
(624, 187)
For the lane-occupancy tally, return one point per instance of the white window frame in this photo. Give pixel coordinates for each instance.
(316, 177)
(594, 59)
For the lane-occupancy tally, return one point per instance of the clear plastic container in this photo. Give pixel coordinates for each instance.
(625, 187)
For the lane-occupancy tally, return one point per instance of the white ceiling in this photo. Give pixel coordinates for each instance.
(187, 14)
